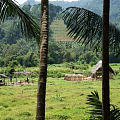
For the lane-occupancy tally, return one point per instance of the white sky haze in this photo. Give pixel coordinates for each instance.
(22, 1)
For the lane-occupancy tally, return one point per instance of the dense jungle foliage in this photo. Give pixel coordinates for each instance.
(15, 50)
(95, 6)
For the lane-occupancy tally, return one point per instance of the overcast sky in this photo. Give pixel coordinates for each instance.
(22, 1)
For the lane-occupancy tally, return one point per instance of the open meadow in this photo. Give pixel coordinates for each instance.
(65, 100)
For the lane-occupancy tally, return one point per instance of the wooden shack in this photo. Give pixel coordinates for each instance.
(97, 70)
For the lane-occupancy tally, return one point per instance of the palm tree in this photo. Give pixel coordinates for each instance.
(105, 62)
(87, 27)
(43, 61)
(29, 27)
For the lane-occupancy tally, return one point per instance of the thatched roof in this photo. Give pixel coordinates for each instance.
(74, 77)
(24, 73)
(3, 76)
(98, 67)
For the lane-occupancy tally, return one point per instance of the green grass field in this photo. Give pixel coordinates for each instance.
(65, 100)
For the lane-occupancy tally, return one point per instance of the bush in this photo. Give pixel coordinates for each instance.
(1, 62)
(4, 105)
(25, 114)
(13, 64)
(8, 118)
(61, 117)
(55, 71)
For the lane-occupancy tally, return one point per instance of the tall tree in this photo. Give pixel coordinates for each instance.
(31, 29)
(43, 61)
(105, 62)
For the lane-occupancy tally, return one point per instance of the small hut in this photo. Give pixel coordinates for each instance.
(2, 79)
(28, 74)
(97, 70)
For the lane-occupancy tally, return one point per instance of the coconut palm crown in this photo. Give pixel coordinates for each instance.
(29, 27)
(86, 27)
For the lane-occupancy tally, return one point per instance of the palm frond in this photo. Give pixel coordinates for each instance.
(86, 27)
(94, 101)
(29, 27)
(96, 113)
(114, 113)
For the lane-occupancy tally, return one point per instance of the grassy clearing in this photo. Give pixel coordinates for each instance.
(65, 100)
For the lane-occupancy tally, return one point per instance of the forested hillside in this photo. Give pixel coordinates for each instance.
(96, 6)
(15, 50)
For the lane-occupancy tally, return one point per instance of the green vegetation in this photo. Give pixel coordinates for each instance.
(54, 71)
(59, 31)
(96, 6)
(96, 113)
(66, 100)
(15, 50)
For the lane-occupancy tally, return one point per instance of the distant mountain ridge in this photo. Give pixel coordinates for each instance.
(62, 3)
(93, 5)
(31, 2)
(97, 5)
(65, 4)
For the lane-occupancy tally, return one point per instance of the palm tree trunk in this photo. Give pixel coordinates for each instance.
(40, 115)
(105, 61)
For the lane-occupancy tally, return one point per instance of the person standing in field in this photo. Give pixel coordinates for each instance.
(11, 74)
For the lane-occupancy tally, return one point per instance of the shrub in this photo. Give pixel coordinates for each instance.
(8, 118)
(4, 105)
(62, 117)
(25, 114)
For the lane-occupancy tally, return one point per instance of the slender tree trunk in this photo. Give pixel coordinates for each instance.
(40, 115)
(105, 61)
